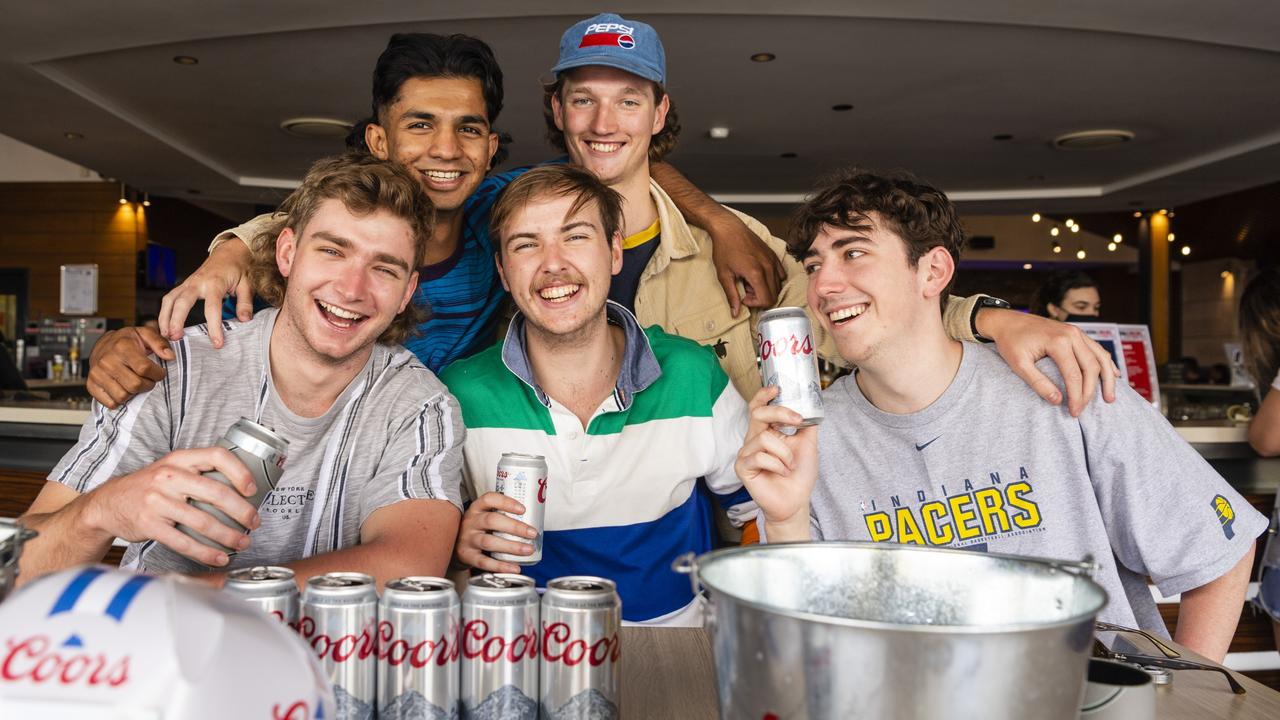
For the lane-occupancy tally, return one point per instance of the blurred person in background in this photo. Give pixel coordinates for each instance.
(1068, 295)
(1260, 336)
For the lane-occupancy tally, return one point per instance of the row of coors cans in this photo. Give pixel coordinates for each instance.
(419, 652)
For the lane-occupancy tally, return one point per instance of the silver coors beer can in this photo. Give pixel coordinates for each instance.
(500, 647)
(789, 360)
(339, 621)
(524, 477)
(270, 588)
(581, 649)
(263, 452)
(418, 649)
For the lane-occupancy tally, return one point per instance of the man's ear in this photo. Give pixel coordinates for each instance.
(375, 136)
(497, 260)
(615, 253)
(286, 251)
(935, 270)
(557, 110)
(660, 117)
(409, 291)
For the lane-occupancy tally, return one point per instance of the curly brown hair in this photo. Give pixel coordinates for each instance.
(660, 146)
(919, 213)
(364, 184)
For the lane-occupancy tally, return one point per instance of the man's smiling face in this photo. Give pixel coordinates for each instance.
(437, 129)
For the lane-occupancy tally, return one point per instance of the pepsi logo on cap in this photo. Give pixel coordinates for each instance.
(606, 34)
(626, 42)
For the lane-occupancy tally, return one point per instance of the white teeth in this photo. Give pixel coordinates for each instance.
(443, 174)
(604, 147)
(846, 313)
(339, 312)
(559, 291)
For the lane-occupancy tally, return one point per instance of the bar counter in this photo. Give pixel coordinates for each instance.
(668, 673)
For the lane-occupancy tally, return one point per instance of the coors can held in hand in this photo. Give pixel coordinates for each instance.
(270, 588)
(418, 649)
(339, 621)
(263, 452)
(524, 477)
(789, 361)
(500, 648)
(581, 649)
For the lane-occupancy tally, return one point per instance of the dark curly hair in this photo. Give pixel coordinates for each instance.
(919, 213)
(662, 144)
(411, 55)
(1055, 289)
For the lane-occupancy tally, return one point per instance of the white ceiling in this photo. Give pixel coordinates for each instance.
(931, 82)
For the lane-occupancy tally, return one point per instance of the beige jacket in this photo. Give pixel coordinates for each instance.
(679, 291)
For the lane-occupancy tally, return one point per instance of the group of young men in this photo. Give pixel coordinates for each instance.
(628, 364)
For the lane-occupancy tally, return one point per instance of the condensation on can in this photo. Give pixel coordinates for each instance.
(418, 651)
(523, 477)
(581, 671)
(271, 588)
(789, 361)
(500, 614)
(339, 621)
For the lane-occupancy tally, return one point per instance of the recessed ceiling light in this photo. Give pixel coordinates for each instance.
(788, 155)
(1057, 248)
(718, 132)
(1026, 266)
(1035, 217)
(1172, 237)
(1137, 213)
(842, 107)
(1117, 238)
(73, 136)
(192, 191)
(1035, 178)
(763, 57)
(316, 127)
(1136, 203)
(1186, 249)
(1002, 136)
(1111, 246)
(186, 60)
(1053, 231)
(1092, 139)
(1081, 254)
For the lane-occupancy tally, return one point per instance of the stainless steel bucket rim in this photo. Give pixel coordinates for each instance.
(1082, 569)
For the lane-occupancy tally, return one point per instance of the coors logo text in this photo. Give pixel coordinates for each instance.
(37, 660)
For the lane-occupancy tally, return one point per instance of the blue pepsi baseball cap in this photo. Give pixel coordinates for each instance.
(613, 41)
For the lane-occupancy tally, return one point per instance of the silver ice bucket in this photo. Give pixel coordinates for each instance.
(12, 536)
(864, 630)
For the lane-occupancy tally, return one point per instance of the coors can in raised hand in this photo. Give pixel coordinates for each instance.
(418, 649)
(339, 621)
(500, 648)
(581, 649)
(789, 361)
(263, 452)
(270, 588)
(524, 477)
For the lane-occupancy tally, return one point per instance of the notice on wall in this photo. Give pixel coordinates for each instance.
(79, 293)
(1140, 362)
(1108, 336)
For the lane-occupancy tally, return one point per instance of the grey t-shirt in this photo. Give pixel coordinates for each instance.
(989, 466)
(395, 433)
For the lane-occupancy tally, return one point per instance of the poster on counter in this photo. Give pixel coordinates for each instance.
(1140, 362)
(1108, 336)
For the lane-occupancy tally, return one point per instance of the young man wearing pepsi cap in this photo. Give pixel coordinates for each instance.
(608, 108)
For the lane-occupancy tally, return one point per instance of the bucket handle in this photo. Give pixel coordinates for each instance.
(687, 564)
(1084, 568)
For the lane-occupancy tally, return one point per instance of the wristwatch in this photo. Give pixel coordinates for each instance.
(984, 301)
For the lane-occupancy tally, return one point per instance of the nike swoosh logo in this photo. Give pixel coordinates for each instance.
(921, 447)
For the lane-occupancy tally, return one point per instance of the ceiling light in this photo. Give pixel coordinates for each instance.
(763, 57)
(1137, 213)
(73, 136)
(1002, 137)
(1026, 266)
(1186, 249)
(1111, 246)
(1080, 253)
(718, 132)
(123, 199)
(1053, 231)
(842, 107)
(1069, 222)
(1170, 213)
(1225, 274)
(316, 127)
(1075, 228)
(1092, 139)
(1117, 238)
(787, 155)
(1057, 248)
(185, 60)
(146, 199)
(1172, 237)
(1035, 217)
(1164, 211)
